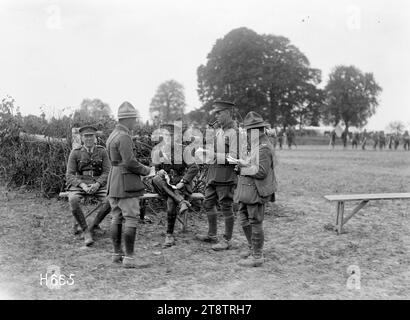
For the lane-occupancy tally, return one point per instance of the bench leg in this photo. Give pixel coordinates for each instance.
(339, 216)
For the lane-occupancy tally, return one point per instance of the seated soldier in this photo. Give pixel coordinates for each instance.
(87, 171)
(173, 181)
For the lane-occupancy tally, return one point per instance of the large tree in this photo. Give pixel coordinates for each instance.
(351, 97)
(396, 127)
(92, 111)
(168, 103)
(265, 73)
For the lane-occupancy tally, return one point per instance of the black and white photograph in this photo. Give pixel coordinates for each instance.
(205, 155)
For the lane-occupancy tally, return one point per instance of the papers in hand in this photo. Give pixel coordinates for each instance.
(232, 160)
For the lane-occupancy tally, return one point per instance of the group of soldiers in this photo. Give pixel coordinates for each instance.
(283, 137)
(118, 179)
(380, 140)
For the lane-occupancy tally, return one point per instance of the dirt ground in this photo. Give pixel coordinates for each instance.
(304, 260)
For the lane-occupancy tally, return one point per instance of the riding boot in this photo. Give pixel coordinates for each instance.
(226, 243)
(116, 235)
(102, 212)
(247, 230)
(129, 240)
(79, 216)
(212, 228)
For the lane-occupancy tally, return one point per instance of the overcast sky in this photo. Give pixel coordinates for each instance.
(56, 53)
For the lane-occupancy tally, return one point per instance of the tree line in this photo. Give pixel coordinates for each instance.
(270, 75)
(261, 72)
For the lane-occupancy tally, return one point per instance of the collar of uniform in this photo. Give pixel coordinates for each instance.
(229, 125)
(92, 149)
(122, 127)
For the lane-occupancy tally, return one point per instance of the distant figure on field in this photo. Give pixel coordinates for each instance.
(406, 140)
(332, 139)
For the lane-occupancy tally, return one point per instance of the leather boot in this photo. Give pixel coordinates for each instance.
(212, 229)
(79, 217)
(129, 260)
(88, 238)
(257, 241)
(116, 235)
(257, 259)
(229, 223)
(247, 230)
(102, 212)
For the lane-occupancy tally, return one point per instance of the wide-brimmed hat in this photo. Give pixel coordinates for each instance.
(220, 105)
(127, 110)
(254, 120)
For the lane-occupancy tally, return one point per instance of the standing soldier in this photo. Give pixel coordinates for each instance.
(375, 140)
(344, 139)
(256, 186)
(221, 177)
(125, 186)
(280, 138)
(355, 140)
(391, 140)
(406, 140)
(291, 137)
(396, 140)
(333, 138)
(87, 172)
(382, 140)
(181, 176)
(364, 139)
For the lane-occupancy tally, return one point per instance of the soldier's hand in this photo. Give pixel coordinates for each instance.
(94, 187)
(85, 187)
(162, 173)
(179, 185)
(242, 163)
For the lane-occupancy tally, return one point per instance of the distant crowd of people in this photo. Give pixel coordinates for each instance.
(379, 139)
(282, 137)
(375, 139)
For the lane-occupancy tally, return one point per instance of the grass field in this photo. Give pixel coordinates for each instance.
(304, 259)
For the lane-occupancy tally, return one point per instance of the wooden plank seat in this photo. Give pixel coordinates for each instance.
(143, 201)
(363, 200)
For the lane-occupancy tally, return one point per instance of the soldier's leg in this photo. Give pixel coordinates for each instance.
(103, 210)
(130, 211)
(116, 230)
(161, 187)
(209, 206)
(225, 198)
(74, 199)
(171, 218)
(256, 214)
(247, 229)
(256, 217)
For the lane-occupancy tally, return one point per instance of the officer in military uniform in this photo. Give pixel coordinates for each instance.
(256, 186)
(87, 172)
(179, 175)
(125, 186)
(221, 177)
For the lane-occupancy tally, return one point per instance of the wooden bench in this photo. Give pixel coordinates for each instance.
(364, 199)
(143, 201)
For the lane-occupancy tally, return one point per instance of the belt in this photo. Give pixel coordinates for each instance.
(89, 173)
